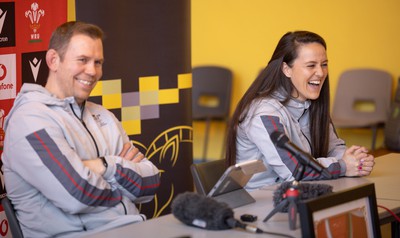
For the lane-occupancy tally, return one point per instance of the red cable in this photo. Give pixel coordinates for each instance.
(391, 212)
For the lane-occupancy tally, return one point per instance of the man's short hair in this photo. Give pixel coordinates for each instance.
(61, 37)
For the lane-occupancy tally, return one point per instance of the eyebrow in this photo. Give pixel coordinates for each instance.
(315, 62)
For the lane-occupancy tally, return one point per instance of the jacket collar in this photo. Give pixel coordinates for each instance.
(295, 107)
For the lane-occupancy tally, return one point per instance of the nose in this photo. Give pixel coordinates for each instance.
(319, 71)
(91, 69)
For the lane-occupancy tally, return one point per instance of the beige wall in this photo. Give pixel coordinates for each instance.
(242, 35)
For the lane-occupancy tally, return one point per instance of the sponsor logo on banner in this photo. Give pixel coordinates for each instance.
(34, 68)
(8, 85)
(4, 226)
(7, 24)
(3, 15)
(2, 134)
(2, 188)
(34, 15)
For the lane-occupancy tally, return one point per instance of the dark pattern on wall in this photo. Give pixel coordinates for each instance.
(147, 83)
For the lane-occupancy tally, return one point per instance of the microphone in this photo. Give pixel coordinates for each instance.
(307, 191)
(204, 212)
(282, 141)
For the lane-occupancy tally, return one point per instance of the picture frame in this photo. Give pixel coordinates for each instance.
(347, 213)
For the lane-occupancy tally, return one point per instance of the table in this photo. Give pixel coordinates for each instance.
(384, 175)
(386, 178)
(169, 226)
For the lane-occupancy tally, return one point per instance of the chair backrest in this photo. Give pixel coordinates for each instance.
(211, 83)
(392, 125)
(15, 228)
(206, 174)
(358, 86)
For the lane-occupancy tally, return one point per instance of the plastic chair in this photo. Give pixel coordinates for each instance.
(392, 126)
(211, 97)
(206, 174)
(362, 100)
(13, 222)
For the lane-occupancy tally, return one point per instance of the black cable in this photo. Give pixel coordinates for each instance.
(277, 234)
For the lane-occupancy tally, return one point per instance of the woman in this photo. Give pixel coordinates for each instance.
(291, 95)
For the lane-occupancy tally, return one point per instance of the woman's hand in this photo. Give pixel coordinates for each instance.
(358, 161)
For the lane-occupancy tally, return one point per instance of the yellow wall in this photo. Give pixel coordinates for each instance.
(242, 35)
(71, 10)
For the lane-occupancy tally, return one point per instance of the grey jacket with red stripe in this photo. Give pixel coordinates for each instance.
(253, 142)
(53, 193)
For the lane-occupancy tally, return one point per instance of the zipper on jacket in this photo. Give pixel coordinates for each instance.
(87, 129)
(308, 141)
(123, 205)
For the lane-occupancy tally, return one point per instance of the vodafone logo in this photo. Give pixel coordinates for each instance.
(3, 227)
(8, 76)
(3, 71)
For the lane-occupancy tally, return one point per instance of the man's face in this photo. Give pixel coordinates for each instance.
(80, 69)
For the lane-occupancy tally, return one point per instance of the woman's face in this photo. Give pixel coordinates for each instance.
(308, 72)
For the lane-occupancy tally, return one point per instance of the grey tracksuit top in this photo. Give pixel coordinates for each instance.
(253, 141)
(53, 193)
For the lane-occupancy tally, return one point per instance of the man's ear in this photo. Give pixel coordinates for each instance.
(286, 70)
(52, 59)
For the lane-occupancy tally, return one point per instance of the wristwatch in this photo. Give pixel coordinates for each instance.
(104, 161)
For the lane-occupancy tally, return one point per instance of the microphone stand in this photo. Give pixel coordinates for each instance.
(291, 197)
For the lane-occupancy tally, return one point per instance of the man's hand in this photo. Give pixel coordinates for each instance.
(133, 154)
(95, 165)
(128, 152)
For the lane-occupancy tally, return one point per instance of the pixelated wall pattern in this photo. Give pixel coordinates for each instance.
(142, 105)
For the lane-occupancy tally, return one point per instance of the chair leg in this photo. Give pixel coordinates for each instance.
(223, 147)
(225, 138)
(374, 135)
(395, 228)
(205, 146)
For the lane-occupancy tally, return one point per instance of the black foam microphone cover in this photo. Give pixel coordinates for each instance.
(200, 211)
(307, 191)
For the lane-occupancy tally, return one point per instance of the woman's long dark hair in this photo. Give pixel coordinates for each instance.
(271, 79)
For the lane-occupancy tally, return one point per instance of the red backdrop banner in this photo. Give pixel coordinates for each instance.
(25, 29)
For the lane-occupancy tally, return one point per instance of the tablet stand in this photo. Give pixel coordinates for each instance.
(236, 198)
(291, 196)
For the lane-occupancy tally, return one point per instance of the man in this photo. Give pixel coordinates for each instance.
(69, 166)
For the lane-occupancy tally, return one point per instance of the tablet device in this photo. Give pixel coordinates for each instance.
(230, 186)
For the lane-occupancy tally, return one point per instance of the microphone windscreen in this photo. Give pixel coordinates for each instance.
(307, 191)
(198, 210)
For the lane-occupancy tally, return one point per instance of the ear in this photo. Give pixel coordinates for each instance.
(287, 70)
(52, 59)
